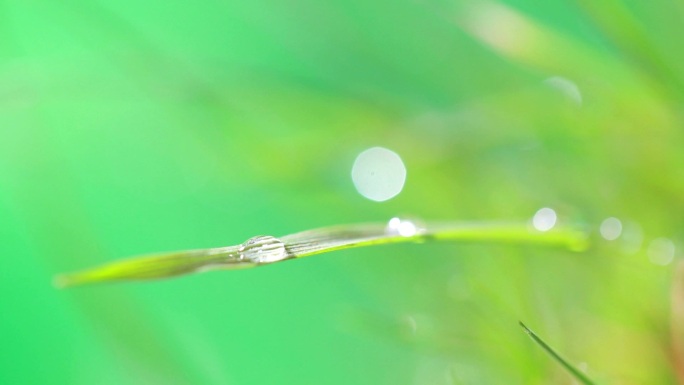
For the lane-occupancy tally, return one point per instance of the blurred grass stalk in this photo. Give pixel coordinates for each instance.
(523, 40)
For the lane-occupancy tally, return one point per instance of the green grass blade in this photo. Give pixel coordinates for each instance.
(319, 241)
(581, 377)
(155, 266)
(328, 239)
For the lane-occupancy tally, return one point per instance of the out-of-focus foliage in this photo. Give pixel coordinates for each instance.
(130, 127)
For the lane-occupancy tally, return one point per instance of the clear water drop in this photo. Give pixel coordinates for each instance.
(263, 249)
(403, 227)
(544, 219)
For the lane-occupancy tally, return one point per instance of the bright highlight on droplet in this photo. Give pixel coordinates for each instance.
(544, 219)
(661, 251)
(263, 249)
(403, 227)
(378, 174)
(566, 87)
(611, 229)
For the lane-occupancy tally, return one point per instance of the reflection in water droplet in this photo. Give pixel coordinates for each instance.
(611, 228)
(263, 249)
(661, 251)
(403, 227)
(544, 219)
(378, 174)
(567, 87)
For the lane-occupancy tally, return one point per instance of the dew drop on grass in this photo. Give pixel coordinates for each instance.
(263, 249)
(544, 219)
(403, 227)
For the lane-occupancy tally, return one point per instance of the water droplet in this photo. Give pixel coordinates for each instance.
(403, 227)
(544, 219)
(611, 228)
(263, 249)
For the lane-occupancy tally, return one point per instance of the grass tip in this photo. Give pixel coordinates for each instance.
(527, 330)
(574, 371)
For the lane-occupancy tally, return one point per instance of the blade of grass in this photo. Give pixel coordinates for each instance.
(155, 266)
(319, 241)
(581, 377)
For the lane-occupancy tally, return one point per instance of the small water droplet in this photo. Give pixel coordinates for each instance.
(263, 249)
(544, 219)
(403, 227)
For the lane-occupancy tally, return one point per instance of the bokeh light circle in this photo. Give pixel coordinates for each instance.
(378, 174)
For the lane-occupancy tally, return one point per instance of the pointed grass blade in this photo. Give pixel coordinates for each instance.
(154, 267)
(579, 376)
(328, 239)
(263, 250)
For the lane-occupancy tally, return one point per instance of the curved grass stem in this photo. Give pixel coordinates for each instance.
(318, 241)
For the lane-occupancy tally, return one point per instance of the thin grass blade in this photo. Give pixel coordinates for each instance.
(263, 250)
(579, 376)
(155, 266)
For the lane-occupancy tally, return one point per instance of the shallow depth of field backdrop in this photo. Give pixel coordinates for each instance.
(129, 127)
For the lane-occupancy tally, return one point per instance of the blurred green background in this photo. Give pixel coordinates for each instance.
(129, 127)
